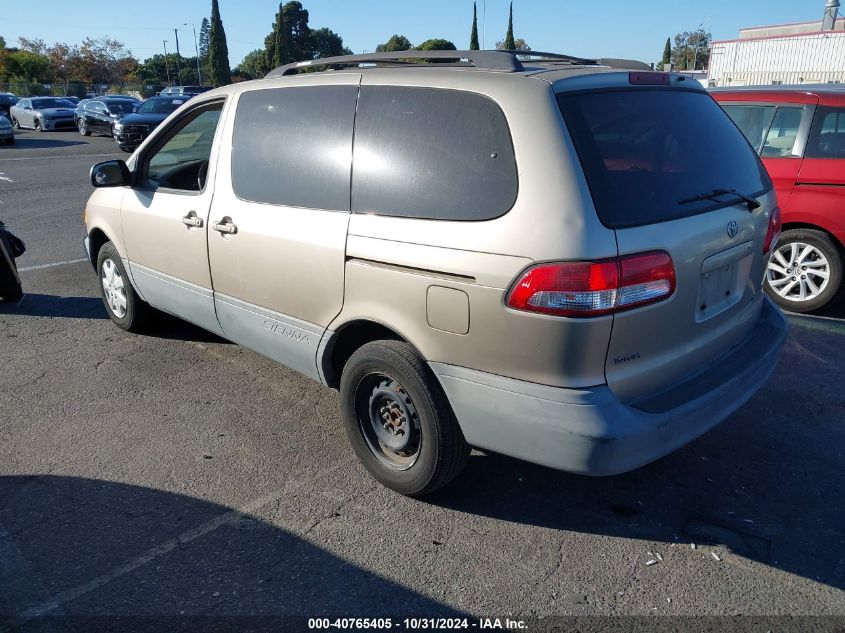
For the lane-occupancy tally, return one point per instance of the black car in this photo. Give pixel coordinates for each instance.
(134, 128)
(184, 91)
(7, 100)
(100, 115)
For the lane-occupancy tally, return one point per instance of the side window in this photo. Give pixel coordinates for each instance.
(752, 120)
(179, 160)
(293, 146)
(431, 153)
(827, 135)
(783, 133)
(24, 104)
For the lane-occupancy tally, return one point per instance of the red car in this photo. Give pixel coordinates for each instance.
(799, 132)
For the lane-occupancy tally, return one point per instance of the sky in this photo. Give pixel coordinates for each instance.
(634, 29)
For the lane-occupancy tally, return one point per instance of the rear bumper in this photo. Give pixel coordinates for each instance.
(590, 431)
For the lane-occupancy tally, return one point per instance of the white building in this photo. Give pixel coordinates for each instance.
(806, 52)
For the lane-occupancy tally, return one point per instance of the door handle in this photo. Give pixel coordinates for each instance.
(225, 226)
(191, 220)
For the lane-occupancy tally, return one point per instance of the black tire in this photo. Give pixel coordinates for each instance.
(137, 313)
(83, 128)
(15, 123)
(441, 450)
(831, 251)
(37, 125)
(10, 285)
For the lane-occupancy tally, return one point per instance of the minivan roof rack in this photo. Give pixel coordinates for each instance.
(504, 61)
(486, 60)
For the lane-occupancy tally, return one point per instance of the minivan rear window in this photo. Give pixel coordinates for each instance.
(643, 152)
(432, 153)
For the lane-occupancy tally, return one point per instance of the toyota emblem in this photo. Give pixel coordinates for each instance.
(733, 228)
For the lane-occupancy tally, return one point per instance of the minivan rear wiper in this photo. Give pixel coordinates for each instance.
(718, 193)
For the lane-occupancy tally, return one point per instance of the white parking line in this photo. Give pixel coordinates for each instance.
(60, 157)
(40, 266)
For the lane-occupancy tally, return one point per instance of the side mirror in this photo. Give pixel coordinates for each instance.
(112, 173)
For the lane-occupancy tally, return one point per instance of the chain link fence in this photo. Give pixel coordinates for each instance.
(25, 89)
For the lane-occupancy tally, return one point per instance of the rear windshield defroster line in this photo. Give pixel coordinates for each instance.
(643, 151)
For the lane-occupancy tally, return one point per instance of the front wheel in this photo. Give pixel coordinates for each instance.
(15, 123)
(398, 419)
(805, 271)
(125, 308)
(38, 127)
(83, 127)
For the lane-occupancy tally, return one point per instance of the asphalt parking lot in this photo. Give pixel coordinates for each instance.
(175, 474)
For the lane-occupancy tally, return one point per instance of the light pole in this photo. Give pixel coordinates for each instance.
(197, 48)
(166, 64)
(178, 57)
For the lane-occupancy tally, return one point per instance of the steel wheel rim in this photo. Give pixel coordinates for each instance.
(798, 271)
(388, 421)
(114, 288)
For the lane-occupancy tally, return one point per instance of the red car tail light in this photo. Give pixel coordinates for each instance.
(773, 232)
(586, 289)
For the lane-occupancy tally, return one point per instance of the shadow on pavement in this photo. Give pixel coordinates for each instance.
(73, 548)
(766, 484)
(52, 306)
(163, 325)
(40, 142)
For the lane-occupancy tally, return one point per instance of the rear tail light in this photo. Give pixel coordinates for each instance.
(586, 289)
(773, 232)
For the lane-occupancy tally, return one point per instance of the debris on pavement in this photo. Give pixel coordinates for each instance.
(716, 556)
(650, 562)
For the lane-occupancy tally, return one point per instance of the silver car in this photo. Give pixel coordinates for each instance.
(557, 259)
(43, 113)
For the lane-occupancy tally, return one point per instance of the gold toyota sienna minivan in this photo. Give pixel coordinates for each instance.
(553, 258)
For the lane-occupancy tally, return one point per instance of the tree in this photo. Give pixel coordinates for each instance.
(290, 40)
(2, 43)
(327, 43)
(509, 43)
(691, 50)
(666, 60)
(253, 65)
(205, 32)
(35, 45)
(28, 66)
(436, 45)
(473, 36)
(519, 45)
(395, 43)
(218, 51)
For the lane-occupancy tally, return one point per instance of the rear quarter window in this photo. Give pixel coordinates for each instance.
(827, 135)
(644, 151)
(432, 153)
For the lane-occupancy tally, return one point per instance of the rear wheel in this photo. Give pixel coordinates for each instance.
(398, 419)
(805, 271)
(125, 308)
